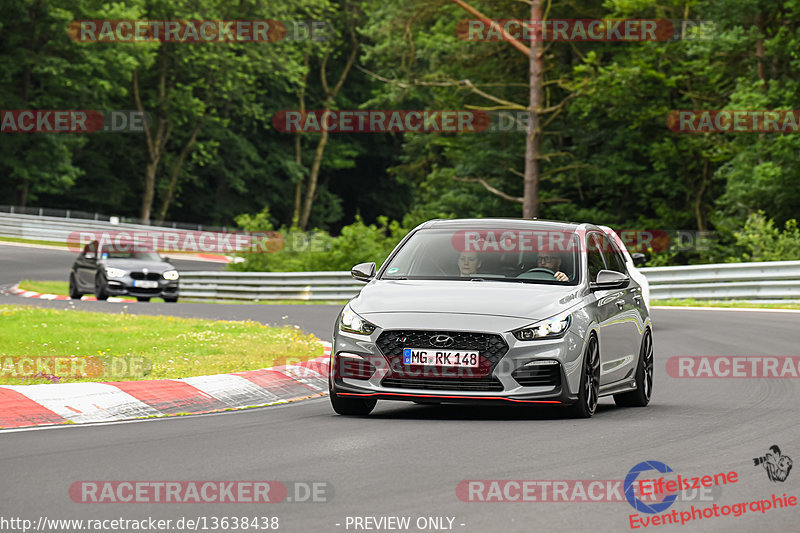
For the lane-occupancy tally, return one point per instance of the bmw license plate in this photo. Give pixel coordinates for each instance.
(433, 357)
(145, 284)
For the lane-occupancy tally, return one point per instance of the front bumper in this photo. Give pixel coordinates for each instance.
(125, 287)
(502, 382)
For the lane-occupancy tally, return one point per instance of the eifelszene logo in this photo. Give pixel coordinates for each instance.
(630, 485)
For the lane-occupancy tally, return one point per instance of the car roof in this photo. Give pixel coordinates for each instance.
(505, 223)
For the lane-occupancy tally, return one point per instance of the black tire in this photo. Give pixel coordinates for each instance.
(352, 406)
(74, 293)
(644, 377)
(142, 298)
(100, 289)
(589, 391)
(171, 300)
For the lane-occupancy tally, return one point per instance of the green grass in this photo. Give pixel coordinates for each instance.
(45, 287)
(690, 302)
(58, 288)
(172, 347)
(30, 241)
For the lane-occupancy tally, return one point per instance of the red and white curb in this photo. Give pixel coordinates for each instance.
(16, 291)
(64, 403)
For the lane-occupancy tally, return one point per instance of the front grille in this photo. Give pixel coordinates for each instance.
(152, 276)
(538, 375)
(469, 385)
(140, 291)
(490, 347)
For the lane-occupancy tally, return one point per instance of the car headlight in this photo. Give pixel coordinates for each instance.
(352, 323)
(171, 275)
(115, 272)
(551, 328)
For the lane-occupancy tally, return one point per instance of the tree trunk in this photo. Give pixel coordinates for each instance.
(149, 191)
(313, 176)
(298, 147)
(698, 203)
(530, 204)
(330, 98)
(176, 168)
(156, 144)
(22, 199)
(298, 188)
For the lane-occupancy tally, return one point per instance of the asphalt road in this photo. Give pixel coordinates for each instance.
(17, 263)
(407, 460)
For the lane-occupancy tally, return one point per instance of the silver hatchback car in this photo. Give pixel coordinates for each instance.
(495, 311)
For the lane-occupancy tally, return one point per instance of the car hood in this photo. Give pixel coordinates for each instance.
(526, 301)
(137, 264)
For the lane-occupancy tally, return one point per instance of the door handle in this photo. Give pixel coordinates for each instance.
(620, 304)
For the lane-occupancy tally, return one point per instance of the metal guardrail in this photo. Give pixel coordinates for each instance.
(257, 286)
(55, 225)
(775, 280)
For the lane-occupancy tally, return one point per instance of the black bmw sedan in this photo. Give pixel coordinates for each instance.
(123, 269)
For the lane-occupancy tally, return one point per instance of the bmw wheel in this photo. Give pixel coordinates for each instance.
(74, 293)
(100, 289)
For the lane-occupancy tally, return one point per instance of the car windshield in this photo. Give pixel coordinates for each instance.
(519, 255)
(143, 256)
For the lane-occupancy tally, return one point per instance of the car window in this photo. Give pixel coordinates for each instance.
(613, 256)
(90, 250)
(518, 255)
(594, 256)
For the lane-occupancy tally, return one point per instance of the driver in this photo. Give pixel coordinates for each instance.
(552, 262)
(468, 263)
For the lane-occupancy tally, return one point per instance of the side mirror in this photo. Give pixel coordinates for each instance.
(165, 259)
(639, 259)
(363, 271)
(608, 279)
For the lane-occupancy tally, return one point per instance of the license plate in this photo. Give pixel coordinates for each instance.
(145, 284)
(429, 357)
